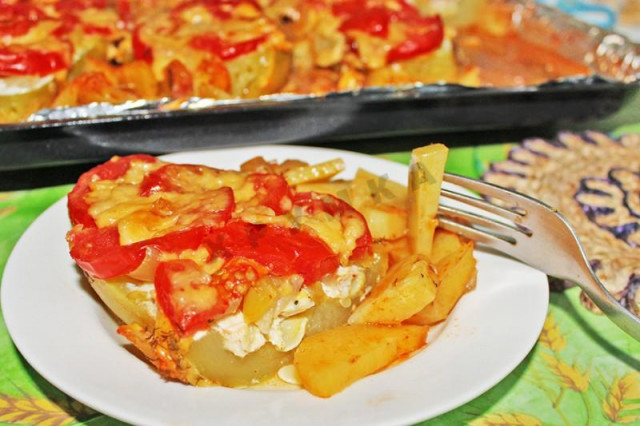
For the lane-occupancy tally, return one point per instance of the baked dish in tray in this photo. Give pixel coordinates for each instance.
(67, 53)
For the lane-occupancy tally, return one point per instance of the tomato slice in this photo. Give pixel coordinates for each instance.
(111, 170)
(283, 251)
(191, 298)
(188, 296)
(179, 79)
(338, 208)
(14, 61)
(223, 49)
(17, 19)
(141, 50)
(426, 38)
(273, 191)
(98, 251)
(221, 9)
(374, 21)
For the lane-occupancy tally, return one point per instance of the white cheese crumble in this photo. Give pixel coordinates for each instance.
(347, 283)
(289, 374)
(286, 334)
(239, 337)
(149, 294)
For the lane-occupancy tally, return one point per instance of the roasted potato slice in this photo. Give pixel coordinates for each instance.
(456, 271)
(405, 290)
(314, 172)
(425, 178)
(329, 361)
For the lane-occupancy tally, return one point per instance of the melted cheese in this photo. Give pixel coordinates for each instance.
(340, 235)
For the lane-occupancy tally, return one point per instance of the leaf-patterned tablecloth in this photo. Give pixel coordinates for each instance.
(582, 371)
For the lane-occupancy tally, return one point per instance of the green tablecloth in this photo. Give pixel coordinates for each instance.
(582, 371)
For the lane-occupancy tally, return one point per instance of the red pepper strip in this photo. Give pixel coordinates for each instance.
(272, 190)
(224, 49)
(221, 9)
(29, 62)
(94, 29)
(419, 43)
(98, 251)
(283, 251)
(141, 50)
(112, 169)
(374, 21)
(17, 19)
(336, 207)
(71, 6)
(348, 7)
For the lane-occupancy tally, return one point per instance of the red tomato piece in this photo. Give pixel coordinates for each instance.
(98, 251)
(170, 178)
(426, 39)
(223, 49)
(283, 251)
(15, 61)
(221, 9)
(348, 7)
(374, 21)
(17, 19)
(189, 297)
(71, 6)
(111, 170)
(336, 207)
(94, 29)
(141, 50)
(179, 79)
(273, 191)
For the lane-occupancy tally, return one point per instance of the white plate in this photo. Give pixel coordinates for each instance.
(66, 335)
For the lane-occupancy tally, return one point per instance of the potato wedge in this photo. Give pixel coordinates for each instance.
(337, 188)
(314, 172)
(329, 361)
(455, 271)
(445, 243)
(369, 188)
(425, 178)
(403, 292)
(385, 222)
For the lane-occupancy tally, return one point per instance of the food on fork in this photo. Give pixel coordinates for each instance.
(272, 274)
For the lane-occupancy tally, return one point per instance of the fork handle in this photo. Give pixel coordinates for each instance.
(622, 317)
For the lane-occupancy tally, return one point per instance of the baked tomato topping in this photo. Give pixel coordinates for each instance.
(111, 170)
(20, 61)
(334, 206)
(98, 250)
(423, 40)
(141, 50)
(424, 35)
(283, 251)
(225, 50)
(17, 19)
(188, 296)
(190, 211)
(272, 191)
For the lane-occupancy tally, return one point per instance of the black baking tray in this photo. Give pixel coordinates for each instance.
(367, 114)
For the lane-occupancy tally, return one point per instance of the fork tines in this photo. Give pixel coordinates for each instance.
(488, 223)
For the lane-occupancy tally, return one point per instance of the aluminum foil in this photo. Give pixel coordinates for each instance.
(612, 57)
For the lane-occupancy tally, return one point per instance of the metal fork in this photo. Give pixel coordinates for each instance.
(533, 233)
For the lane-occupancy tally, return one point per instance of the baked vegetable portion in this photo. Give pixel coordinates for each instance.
(258, 276)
